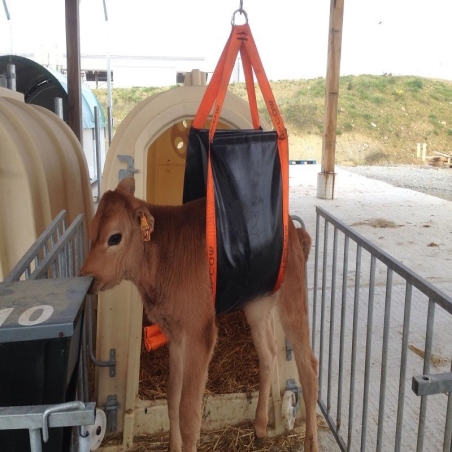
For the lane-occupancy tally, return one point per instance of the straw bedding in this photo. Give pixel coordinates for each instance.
(234, 369)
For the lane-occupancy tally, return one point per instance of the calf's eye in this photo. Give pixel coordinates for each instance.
(114, 239)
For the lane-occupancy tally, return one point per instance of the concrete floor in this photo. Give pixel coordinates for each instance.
(421, 239)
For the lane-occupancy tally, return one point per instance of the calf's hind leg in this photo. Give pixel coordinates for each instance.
(174, 394)
(259, 317)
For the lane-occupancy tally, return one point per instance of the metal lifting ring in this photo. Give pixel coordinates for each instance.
(241, 11)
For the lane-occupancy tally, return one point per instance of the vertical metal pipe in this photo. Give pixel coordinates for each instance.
(332, 315)
(109, 125)
(77, 246)
(403, 366)
(58, 103)
(384, 359)
(109, 99)
(98, 162)
(370, 312)
(316, 270)
(426, 370)
(11, 76)
(354, 346)
(35, 440)
(447, 445)
(323, 305)
(84, 246)
(342, 332)
(70, 260)
(83, 440)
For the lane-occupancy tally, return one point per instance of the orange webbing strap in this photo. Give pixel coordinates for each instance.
(249, 81)
(221, 73)
(211, 91)
(231, 55)
(211, 230)
(153, 337)
(241, 40)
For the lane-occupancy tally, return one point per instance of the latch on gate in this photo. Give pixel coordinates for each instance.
(111, 413)
(289, 350)
(290, 404)
(130, 170)
(432, 384)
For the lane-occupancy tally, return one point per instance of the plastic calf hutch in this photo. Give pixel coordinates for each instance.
(150, 144)
(43, 171)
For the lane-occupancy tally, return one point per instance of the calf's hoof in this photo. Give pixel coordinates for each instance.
(258, 442)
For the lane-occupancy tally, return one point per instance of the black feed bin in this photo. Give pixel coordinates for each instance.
(40, 337)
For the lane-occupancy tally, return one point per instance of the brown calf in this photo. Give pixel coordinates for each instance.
(171, 273)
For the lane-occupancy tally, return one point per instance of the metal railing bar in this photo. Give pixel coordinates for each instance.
(354, 346)
(79, 250)
(332, 317)
(84, 368)
(53, 255)
(54, 269)
(69, 264)
(370, 311)
(440, 298)
(323, 308)
(447, 444)
(426, 370)
(403, 365)
(24, 264)
(342, 333)
(384, 359)
(339, 440)
(316, 268)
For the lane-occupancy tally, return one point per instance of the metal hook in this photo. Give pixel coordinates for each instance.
(76, 404)
(240, 11)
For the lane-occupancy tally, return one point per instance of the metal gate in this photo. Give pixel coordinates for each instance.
(383, 336)
(57, 253)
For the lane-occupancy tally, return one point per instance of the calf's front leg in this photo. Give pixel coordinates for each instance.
(198, 345)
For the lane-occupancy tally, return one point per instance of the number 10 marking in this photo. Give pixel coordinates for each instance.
(25, 317)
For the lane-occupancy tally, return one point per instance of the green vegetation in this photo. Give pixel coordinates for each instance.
(380, 118)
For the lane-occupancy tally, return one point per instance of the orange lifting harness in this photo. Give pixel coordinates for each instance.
(240, 40)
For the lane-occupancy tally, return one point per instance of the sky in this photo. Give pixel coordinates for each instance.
(401, 37)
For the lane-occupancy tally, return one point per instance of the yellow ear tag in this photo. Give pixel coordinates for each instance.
(145, 229)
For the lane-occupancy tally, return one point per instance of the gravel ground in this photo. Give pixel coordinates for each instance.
(425, 179)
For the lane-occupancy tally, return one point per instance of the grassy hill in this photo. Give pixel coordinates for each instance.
(380, 118)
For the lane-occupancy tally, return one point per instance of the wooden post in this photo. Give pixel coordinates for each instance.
(74, 87)
(325, 179)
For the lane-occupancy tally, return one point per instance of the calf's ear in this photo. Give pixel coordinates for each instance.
(127, 185)
(146, 222)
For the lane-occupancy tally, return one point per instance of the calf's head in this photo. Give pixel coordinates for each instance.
(118, 233)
